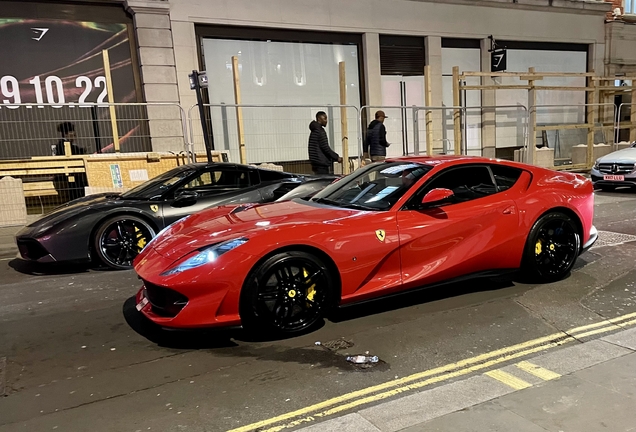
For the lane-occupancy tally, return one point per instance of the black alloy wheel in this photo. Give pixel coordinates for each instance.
(120, 239)
(288, 293)
(552, 248)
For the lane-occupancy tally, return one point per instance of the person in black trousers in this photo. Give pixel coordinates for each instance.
(321, 156)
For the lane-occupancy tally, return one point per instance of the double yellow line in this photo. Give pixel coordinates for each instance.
(418, 380)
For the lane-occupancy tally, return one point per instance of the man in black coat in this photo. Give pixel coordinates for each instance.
(321, 156)
(375, 144)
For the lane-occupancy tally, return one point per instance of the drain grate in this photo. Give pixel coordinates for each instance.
(338, 344)
(609, 238)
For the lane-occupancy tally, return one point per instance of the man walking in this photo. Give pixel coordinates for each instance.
(375, 144)
(321, 156)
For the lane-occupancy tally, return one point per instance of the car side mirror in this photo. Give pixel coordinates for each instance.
(185, 198)
(437, 196)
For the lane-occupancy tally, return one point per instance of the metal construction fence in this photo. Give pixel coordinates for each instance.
(414, 130)
(278, 134)
(153, 137)
(583, 133)
(28, 130)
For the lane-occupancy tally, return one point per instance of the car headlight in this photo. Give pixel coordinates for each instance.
(207, 255)
(596, 164)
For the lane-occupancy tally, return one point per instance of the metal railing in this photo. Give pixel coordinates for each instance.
(572, 138)
(261, 133)
(28, 130)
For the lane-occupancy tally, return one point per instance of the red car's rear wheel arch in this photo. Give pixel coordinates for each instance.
(552, 246)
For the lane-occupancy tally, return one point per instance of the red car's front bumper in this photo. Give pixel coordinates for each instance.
(197, 298)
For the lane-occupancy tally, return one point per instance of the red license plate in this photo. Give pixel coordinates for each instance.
(614, 177)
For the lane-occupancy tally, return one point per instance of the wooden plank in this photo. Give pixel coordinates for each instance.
(428, 95)
(496, 87)
(519, 74)
(343, 117)
(457, 121)
(572, 127)
(34, 172)
(38, 165)
(111, 100)
(239, 110)
(532, 121)
(36, 193)
(29, 186)
(592, 114)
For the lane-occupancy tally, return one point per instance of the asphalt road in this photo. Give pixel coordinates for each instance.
(76, 356)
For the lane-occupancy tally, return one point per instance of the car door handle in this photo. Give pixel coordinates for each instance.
(511, 210)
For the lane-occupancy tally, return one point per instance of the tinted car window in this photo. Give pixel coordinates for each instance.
(467, 183)
(158, 185)
(505, 176)
(219, 179)
(271, 175)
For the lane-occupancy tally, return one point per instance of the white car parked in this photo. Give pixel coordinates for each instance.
(615, 169)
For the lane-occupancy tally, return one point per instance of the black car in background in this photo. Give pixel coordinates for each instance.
(113, 228)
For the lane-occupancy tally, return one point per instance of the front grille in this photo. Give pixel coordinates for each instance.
(164, 301)
(616, 168)
(31, 249)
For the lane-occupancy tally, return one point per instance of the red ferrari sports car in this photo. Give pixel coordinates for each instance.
(388, 227)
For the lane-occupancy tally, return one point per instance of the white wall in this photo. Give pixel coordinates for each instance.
(276, 73)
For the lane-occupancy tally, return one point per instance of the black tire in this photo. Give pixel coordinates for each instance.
(552, 247)
(119, 239)
(287, 294)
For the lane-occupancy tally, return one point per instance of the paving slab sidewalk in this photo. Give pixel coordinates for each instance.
(587, 387)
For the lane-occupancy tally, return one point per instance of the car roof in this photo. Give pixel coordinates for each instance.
(202, 165)
(441, 160)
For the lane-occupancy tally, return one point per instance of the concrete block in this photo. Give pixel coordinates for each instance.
(150, 56)
(544, 157)
(572, 404)
(420, 407)
(161, 38)
(579, 152)
(349, 423)
(161, 93)
(625, 339)
(575, 358)
(485, 417)
(159, 74)
(151, 20)
(623, 145)
(13, 210)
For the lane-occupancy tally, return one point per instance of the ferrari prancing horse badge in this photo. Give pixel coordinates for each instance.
(380, 234)
(154, 208)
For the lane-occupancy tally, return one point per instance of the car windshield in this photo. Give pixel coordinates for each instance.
(375, 187)
(158, 185)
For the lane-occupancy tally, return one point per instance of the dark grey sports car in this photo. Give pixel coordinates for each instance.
(114, 228)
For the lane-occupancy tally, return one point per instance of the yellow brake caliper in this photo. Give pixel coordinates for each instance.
(141, 239)
(537, 248)
(311, 291)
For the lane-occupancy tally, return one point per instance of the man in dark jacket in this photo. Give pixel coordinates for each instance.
(321, 156)
(375, 144)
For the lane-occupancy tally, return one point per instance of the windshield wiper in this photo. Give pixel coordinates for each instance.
(344, 204)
